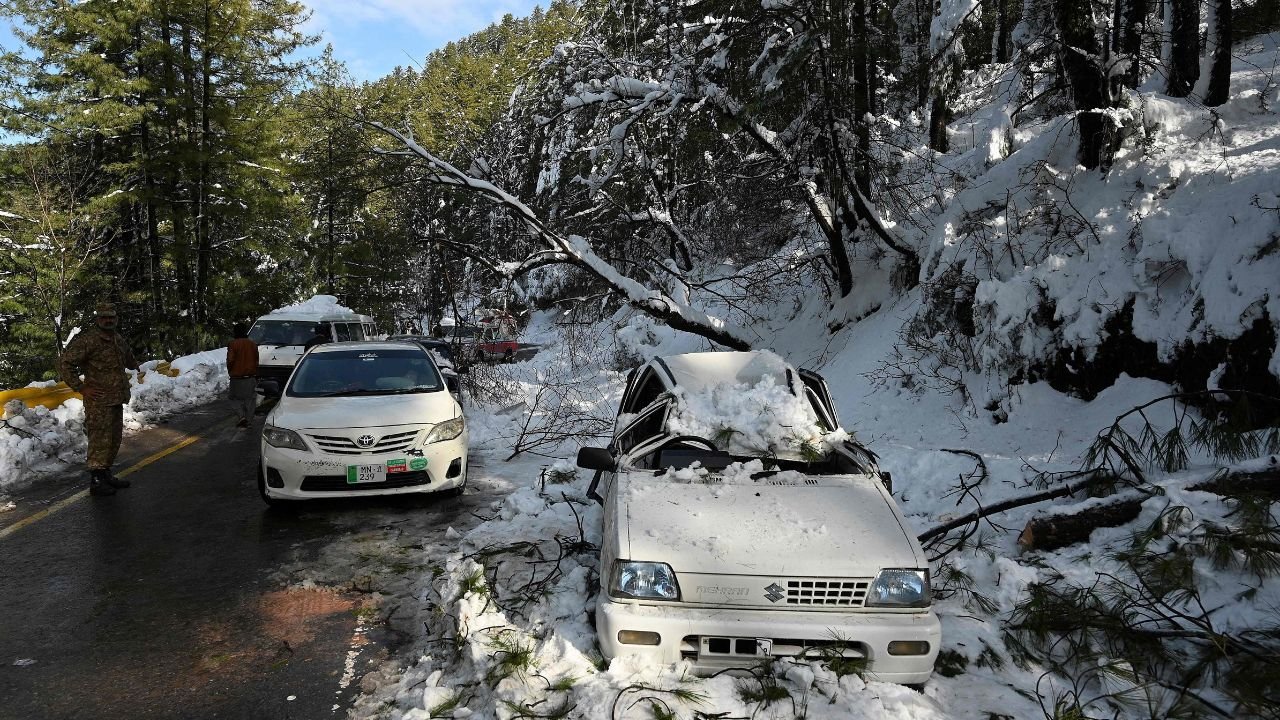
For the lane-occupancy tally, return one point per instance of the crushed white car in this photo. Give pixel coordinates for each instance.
(741, 523)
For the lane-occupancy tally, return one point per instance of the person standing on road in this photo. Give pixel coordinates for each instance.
(102, 356)
(242, 366)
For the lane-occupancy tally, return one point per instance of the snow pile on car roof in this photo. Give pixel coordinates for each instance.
(316, 305)
(744, 403)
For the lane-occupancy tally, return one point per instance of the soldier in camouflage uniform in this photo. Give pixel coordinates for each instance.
(102, 355)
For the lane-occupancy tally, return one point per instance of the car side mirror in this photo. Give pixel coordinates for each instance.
(269, 388)
(593, 458)
(887, 479)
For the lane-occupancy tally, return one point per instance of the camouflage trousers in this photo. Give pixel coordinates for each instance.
(104, 424)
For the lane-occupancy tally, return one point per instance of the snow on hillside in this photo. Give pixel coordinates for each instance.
(1185, 227)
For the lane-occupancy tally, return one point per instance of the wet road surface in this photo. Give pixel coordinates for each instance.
(178, 597)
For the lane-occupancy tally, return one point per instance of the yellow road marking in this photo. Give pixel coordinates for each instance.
(37, 517)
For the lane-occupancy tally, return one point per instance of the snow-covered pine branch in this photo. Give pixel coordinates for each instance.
(577, 250)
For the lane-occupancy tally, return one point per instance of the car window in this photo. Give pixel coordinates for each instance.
(647, 389)
(646, 427)
(281, 332)
(381, 371)
(357, 332)
(342, 330)
(825, 421)
(821, 398)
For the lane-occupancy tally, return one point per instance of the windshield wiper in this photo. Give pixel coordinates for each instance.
(355, 393)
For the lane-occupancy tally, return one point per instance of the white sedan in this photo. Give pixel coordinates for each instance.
(741, 523)
(363, 418)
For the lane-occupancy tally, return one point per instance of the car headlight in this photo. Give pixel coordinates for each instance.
(447, 430)
(643, 581)
(900, 587)
(282, 438)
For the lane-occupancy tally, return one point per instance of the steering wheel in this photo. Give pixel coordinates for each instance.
(688, 440)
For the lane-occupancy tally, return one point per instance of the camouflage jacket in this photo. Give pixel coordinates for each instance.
(102, 358)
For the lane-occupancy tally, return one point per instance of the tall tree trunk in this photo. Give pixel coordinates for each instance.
(154, 260)
(1133, 20)
(1002, 32)
(204, 238)
(1184, 47)
(1077, 50)
(1218, 86)
(938, 113)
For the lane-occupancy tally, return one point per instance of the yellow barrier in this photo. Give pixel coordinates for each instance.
(54, 395)
(50, 397)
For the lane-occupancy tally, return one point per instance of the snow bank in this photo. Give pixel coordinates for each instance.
(1182, 228)
(37, 443)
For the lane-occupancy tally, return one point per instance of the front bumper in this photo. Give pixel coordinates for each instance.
(699, 635)
(308, 475)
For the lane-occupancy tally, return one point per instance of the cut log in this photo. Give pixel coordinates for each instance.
(1050, 532)
(1261, 484)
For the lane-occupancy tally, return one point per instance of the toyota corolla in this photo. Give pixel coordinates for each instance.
(363, 418)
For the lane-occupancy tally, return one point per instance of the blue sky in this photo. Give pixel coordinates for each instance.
(374, 36)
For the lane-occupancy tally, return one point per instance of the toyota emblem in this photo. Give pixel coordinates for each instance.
(365, 441)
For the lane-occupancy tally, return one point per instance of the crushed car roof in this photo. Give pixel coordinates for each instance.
(698, 371)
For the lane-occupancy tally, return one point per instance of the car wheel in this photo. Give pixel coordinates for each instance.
(509, 356)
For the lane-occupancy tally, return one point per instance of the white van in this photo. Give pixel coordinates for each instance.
(282, 336)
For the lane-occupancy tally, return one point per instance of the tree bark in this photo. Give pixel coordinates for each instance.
(1184, 49)
(1077, 50)
(1050, 532)
(1219, 49)
(938, 112)
(1133, 20)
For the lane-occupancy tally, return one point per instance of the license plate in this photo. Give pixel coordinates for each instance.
(366, 473)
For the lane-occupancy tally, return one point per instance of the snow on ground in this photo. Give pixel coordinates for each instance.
(38, 443)
(508, 628)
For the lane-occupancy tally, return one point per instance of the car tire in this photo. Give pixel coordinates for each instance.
(509, 356)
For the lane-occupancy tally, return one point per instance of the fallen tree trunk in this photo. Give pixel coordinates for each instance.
(1050, 532)
(1264, 483)
(1053, 531)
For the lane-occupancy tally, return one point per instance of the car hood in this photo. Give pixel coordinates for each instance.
(363, 411)
(845, 526)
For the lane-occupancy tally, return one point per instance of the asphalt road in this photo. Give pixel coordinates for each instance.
(176, 597)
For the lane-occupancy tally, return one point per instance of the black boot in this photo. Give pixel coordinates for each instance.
(114, 481)
(99, 483)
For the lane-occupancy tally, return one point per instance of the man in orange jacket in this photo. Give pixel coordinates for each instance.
(242, 366)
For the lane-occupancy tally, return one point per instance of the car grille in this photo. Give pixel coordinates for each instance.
(338, 483)
(832, 592)
(338, 445)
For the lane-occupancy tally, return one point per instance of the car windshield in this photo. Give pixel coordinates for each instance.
(282, 332)
(369, 371)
